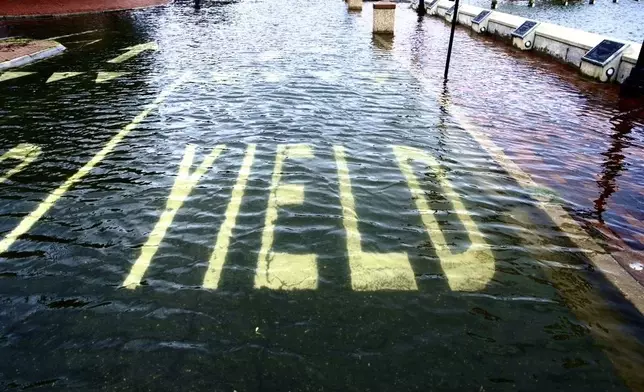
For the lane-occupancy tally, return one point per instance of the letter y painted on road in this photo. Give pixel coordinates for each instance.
(285, 271)
(183, 185)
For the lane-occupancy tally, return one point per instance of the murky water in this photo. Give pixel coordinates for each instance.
(350, 234)
(622, 20)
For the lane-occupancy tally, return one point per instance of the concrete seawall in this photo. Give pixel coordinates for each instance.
(571, 46)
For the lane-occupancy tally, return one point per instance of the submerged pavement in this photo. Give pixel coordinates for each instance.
(234, 200)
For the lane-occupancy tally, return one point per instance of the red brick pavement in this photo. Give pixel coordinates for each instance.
(60, 7)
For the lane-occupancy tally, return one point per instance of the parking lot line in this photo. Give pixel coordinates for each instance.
(27, 223)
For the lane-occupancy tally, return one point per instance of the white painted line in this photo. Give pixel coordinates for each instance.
(27, 223)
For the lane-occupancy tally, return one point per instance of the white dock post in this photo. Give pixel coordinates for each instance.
(355, 5)
(384, 16)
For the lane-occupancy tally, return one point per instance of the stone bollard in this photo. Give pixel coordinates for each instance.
(355, 5)
(494, 3)
(384, 16)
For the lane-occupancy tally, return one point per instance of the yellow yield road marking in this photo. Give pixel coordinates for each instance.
(284, 271)
(103, 77)
(13, 75)
(25, 152)
(133, 51)
(53, 197)
(56, 76)
(218, 257)
(369, 271)
(468, 271)
(183, 185)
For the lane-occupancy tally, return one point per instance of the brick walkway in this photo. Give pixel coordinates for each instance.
(60, 7)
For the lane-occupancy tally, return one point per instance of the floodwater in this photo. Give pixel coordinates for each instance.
(622, 20)
(277, 200)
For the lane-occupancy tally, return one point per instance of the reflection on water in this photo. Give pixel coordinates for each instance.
(614, 162)
(303, 211)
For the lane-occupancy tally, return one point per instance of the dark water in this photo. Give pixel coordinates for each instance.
(622, 20)
(535, 315)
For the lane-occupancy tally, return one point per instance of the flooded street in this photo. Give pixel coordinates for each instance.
(262, 196)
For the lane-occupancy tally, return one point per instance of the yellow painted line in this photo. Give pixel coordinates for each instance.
(27, 223)
(470, 270)
(103, 77)
(183, 186)
(56, 76)
(134, 51)
(25, 152)
(74, 35)
(218, 256)
(369, 271)
(284, 271)
(92, 42)
(13, 75)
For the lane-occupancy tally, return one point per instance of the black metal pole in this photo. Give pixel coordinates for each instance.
(451, 38)
(633, 86)
(421, 8)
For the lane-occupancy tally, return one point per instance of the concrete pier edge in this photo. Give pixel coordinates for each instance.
(564, 44)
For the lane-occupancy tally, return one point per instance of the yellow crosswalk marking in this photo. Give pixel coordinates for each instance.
(285, 271)
(25, 152)
(218, 257)
(56, 76)
(134, 51)
(369, 271)
(103, 77)
(183, 186)
(13, 75)
(471, 270)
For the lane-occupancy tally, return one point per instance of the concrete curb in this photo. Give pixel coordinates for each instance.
(30, 58)
(564, 44)
(34, 16)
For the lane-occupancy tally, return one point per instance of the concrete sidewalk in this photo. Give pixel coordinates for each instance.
(19, 52)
